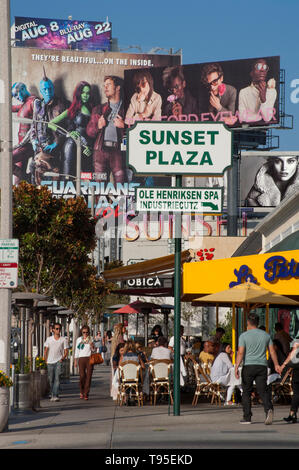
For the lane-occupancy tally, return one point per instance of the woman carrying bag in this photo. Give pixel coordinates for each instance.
(84, 348)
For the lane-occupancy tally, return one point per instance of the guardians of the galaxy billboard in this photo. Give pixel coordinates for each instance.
(74, 99)
(56, 34)
(237, 92)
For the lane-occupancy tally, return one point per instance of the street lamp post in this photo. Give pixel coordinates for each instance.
(6, 196)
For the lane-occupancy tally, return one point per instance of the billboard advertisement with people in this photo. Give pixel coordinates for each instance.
(267, 181)
(62, 99)
(237, 92)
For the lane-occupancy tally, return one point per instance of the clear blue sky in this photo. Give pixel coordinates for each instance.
(205, 30)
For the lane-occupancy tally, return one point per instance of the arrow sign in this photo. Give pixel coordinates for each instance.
(204, 200)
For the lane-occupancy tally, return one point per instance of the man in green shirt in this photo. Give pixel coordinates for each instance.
(252, 349)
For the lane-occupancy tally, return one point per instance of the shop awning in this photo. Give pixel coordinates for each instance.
(149, 268)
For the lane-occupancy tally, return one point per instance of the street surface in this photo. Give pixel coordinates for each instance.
(100, 424)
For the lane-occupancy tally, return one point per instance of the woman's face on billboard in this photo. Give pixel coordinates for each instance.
(285, 167)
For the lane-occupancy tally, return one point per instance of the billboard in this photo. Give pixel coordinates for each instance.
(81, 93)
(265, 181)
(56, 34)
(236, 92)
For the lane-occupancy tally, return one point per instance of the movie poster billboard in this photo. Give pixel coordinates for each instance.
(45, 33)
(75, 98)
(266, 181)
(236, 92)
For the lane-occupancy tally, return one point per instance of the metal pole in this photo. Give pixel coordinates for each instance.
(232, 197)
(177, 307)
(6, 192)
(78, 168)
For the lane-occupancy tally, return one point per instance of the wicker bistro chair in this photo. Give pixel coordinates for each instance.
(214, 390)
(160, 381)
(130, 382)
(202, 384)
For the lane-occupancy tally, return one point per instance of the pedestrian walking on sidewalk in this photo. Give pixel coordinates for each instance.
(83, 350)
(293, 361)
(252, 350)
(55, 352)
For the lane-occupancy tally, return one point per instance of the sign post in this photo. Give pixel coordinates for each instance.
(177, 149)
(9, 256)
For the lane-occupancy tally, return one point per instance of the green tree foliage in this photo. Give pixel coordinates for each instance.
(56, 238)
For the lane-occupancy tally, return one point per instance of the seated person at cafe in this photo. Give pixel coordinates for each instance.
(130, 354)
(221, 370)
(161, 351)
(118, 355)
(156, 333)
(140, 350)
(207, 355)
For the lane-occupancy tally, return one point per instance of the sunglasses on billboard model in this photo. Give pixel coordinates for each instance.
(214, 82)
(260, 66)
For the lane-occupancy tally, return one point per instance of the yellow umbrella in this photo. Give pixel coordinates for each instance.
(248, 296)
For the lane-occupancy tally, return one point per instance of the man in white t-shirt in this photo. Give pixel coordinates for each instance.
(55, 352)
(161, 351)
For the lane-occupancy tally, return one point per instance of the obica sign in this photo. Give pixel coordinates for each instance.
(179, 148)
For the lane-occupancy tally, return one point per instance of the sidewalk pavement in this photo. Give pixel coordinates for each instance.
(98, 423)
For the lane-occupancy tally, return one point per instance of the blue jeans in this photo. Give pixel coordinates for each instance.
(54, 372)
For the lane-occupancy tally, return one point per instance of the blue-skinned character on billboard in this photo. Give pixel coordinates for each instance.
(46, 143)
(23, 150)
(78, 116)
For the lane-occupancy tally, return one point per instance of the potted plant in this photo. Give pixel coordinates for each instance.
(5, 380)
(41, 365)
(5, 384)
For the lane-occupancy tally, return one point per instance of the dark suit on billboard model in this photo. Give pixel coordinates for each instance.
(106, 126)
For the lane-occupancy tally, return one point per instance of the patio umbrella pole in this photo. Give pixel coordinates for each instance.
(177, 306)
(234, 332)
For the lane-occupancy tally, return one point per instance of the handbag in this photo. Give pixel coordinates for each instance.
(96, 358)
(103, 349)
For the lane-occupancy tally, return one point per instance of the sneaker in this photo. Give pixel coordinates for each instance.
(56, 399)
(269, 417)
(229, 403)
(52, 399)
(245, 421)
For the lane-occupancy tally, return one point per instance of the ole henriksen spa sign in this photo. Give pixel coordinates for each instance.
(180, 148)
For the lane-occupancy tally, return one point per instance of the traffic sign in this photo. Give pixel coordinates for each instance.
(179, 148)
(204, 200)
(9, 258)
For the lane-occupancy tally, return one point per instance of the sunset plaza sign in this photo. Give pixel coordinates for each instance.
(179, 148)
